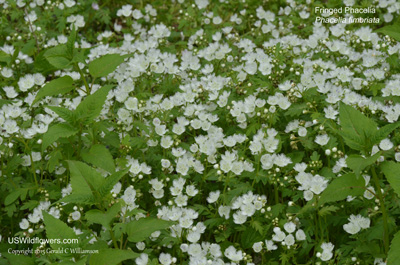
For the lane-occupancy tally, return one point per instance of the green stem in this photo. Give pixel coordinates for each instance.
(83, 79)
(383, 209)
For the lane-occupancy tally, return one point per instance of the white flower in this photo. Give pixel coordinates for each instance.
(76, 215)
(351, 228)
(322, 139)
(233, 254)
(24, 224)
(257, 247)
(142, 260)
(270, 245)
(385, 144)
(289, 240)
(290, 227)
(213, 196)
(300, 235)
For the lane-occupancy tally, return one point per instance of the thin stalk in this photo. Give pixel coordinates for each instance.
(383, 209)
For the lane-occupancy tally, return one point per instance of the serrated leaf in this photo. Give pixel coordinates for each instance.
(358, 163)
(394, 253)
(110, 181)
(111, 256)
(71, 42)
(340, 188)
(58, 231)
(84, 179)
(141, 229)
(56, 56)
(392, 31)
(92, 105)
(105, 65)
(64, 113)
(391, 170)
(99, 217)
(357, 129)
(383, 132)
(328, 210)
(55, 132)
(57, 86)
(101, 157)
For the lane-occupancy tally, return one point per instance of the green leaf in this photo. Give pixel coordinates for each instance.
(92, 105)
(110, 181)
(71, 43)
(340, 188)
(357, 163)
(84, 179)
(105, 65)
(12, 197)
(357, 129)
(394, 253)
(56, 56)
(58, 231)
(111, 256)
(99, 217)
(64, 113)
(4, 57)
(141, 229)
(57, 86)
(55, 132)
(18, 259)
(383, 132)
(327, 210)
(391, 170)
(101, 157)
(5, 102)
(249, 237)
(392, 31)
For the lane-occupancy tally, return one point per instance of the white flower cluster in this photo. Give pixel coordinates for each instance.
(246, 206)
(310, 184)
(281, 237)
(357, 222)
(327, 251)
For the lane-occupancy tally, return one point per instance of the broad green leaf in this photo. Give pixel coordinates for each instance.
(55, 132)
(111, 256)
(391, 170)
(84, 179)
(105, 65)
(110, 181)
(101, 157)
(12, 197)
(57, 56)
(340, 188)
(18, 259)
(92, 105)
(357, 163)
(384, 131)
(357, 129)
(4, 57)
(78, 198)
(141, 229)
(392, 31)
(394, 251)
(5, 102)
(57, 86)
(99, 217)
(64, 113)
(58, 230)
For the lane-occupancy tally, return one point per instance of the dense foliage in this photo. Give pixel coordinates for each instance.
(199, 132)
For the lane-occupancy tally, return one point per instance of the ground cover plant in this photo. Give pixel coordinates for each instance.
(199, 132)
